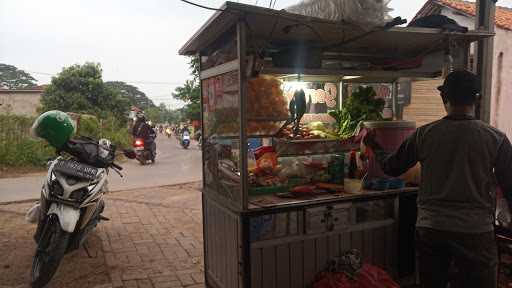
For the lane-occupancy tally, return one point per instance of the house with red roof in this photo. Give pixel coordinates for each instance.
(23, 102)
(464, 13)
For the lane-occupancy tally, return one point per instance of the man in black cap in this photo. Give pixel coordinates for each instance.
(462, 160)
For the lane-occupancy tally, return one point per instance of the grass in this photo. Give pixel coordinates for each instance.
(19, 150)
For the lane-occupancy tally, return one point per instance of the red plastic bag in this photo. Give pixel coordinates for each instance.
(368, 277)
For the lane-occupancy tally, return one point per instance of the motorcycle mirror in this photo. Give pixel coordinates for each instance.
(130, 154)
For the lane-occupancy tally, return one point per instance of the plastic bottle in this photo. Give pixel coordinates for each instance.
(251, 160)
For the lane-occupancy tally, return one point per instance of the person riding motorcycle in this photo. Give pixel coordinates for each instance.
(141, 129)
(185, 129)
(199, 137)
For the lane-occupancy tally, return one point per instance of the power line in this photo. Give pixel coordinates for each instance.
(153, 82)
(202, 6)
(126, 81)
(41, 73)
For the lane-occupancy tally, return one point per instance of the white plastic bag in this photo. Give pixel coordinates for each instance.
(503, 217)
(366, 13)
(33, 213)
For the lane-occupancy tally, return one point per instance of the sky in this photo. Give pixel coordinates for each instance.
(134, 41)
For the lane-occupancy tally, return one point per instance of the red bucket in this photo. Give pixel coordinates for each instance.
(390, 135)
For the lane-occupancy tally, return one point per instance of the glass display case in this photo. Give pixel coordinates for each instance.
(277, 199)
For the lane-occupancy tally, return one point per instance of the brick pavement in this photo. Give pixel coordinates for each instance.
(153, 239)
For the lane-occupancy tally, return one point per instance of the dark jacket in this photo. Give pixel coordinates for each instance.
(142, 130)
(462, 161)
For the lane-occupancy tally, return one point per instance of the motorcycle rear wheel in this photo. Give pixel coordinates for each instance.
(50, 251)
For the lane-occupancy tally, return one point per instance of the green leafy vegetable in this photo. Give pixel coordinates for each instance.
(360, 106)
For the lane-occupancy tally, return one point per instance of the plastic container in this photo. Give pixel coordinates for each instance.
(390, 135)
(277, 189)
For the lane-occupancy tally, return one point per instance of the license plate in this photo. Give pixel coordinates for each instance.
(74, 168)
(139, 148)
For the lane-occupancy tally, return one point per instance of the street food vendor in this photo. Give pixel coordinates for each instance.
(461, 159)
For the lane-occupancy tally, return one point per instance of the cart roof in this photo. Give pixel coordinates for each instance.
(262, 21)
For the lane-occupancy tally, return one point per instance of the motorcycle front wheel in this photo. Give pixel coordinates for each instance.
(50, 250)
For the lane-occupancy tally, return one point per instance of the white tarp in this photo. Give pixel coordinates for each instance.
(366, 13)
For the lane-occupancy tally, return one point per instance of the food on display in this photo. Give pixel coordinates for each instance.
(331, 187)
(361, 106)
(266, 99)
(266, 105)
(303, 189)
(259, 127)
(313, 130)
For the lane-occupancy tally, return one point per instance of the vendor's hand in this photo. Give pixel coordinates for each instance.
(370, 140)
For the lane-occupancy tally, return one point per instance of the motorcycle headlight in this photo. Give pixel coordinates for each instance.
(56, 189)
(79, 194)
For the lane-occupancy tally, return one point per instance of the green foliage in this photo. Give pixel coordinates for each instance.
(80, 89)
(360, 106)
(192, 111)
(89, 127)
(155, 114)
(133, 94)
(17, 147)
(109, 128)
(116, 131)
(14, 78)
(172, 116)
(193, 64)
(190, 92)
(162, 114)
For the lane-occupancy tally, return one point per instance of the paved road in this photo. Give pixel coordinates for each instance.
(173, 165)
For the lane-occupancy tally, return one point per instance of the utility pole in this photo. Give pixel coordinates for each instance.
(485, 14)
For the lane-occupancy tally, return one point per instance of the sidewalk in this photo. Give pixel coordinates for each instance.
(153, 239)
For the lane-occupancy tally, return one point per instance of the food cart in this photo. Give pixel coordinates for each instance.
(262, 232)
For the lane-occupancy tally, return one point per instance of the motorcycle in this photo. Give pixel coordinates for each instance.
(143, 151)
(185, 140)
(168, 132)
(71, 203)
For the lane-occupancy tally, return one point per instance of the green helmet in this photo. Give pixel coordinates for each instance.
(54, 126)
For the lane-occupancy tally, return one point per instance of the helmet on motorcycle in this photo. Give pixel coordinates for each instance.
(54, 126)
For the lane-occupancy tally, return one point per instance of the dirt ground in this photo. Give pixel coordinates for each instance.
(14, 172)
(154, 239)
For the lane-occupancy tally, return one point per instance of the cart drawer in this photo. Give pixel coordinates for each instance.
(272, 226)
(376, 210)
(328, 218)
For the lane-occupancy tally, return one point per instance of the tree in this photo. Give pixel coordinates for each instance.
(162, 114)
(154, 114)
(132, 93)
(14, 78)
(80, 88)
(190, 92)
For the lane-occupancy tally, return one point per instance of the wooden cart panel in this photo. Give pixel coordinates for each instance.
(222, 251)
(295, 264)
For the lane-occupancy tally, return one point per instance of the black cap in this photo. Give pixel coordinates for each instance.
(460, 87)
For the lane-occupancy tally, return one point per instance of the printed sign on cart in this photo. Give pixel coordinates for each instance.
(321, 97)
